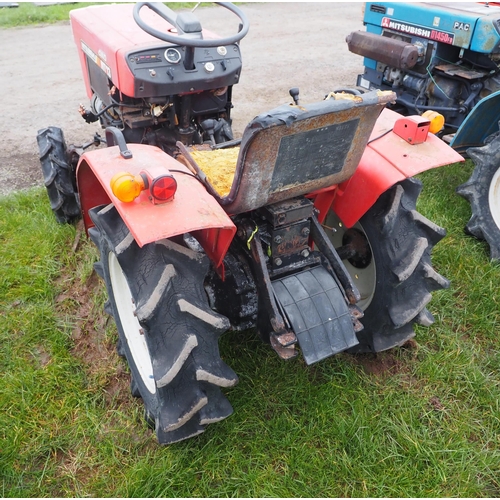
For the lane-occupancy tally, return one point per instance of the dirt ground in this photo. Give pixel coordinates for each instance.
(289, 45)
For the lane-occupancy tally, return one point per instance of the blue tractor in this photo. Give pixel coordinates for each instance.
(444, 58)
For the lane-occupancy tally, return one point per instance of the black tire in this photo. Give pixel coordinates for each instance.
(482, 191)
(58, 175)
(393, 272)
(167, 332)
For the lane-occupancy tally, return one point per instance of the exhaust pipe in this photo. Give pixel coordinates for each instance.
(386, 50)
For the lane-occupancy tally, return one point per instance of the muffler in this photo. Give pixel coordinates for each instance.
(394, 53)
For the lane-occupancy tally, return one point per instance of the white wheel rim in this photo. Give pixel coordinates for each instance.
(130, 324)
(365, 279)
(494, 198)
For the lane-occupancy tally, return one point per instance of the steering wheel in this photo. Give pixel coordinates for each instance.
(188, 26)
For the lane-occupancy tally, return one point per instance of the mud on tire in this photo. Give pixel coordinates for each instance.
(167, 331)
(58, 175)
(396, 278)
(482, 191)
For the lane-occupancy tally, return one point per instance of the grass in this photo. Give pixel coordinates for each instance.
(27, 13)
(413, 422)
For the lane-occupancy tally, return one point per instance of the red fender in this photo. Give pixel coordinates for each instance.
(387, 160)
(192, 209)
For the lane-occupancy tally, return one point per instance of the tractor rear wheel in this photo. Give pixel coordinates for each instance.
(482, 191)
(167, 332)
(390, 264)
(58, 175)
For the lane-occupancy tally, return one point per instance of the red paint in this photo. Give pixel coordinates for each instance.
(192, 209)
(110, 33)
(386, 161)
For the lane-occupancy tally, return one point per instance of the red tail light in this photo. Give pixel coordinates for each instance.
(163, 188)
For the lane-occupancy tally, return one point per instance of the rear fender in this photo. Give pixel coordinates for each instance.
(387, 160)
(192, 210)
(481, 122)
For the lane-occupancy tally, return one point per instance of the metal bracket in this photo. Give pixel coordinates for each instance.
(114, 136)
(282, 338)
(326, 247)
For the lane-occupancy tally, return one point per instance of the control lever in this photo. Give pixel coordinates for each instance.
(294, 92)
(209, 127)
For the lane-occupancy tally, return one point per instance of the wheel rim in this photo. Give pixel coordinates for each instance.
(494, 198)
(365, 278)
(130, 324)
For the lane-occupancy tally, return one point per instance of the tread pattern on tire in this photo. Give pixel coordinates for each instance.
(181, 331)
(58, 175)
(476, 191)
(402, 240)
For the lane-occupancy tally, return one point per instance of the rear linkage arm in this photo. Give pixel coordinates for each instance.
(282, 337)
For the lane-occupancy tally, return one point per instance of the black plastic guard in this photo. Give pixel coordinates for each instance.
(317, 312)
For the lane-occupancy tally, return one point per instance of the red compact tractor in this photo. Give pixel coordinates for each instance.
(305, 229)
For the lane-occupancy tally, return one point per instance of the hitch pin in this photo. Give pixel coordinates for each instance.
(332, 229)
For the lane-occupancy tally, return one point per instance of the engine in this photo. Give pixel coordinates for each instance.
(434, 56)
(155, 92)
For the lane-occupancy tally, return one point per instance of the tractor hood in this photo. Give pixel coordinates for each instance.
(113, 47)
(467, 25)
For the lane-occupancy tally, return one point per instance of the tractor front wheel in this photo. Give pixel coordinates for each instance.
(167, 331)
(482, 191)
(58, 175)
(387, 254)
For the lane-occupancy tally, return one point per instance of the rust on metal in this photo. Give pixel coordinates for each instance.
(455, 70)
(284, 353)
(387, 50)
(286, 339)
(290, 152)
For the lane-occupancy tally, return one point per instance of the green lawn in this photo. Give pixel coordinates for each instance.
(28, 13)
(416, 421)
(412, 422)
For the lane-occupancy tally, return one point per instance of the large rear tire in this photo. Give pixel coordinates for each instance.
(58, 175)
(167, 331)
(482, 191)
(392, 267)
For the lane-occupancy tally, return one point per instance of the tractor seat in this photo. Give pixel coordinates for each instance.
(218, 165)
(289, 151)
